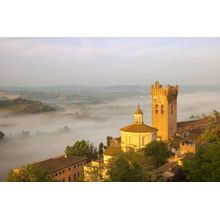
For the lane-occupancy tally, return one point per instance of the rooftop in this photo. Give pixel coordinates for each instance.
(138, 110)
(112, 151)
(138, 128)
(192, 123)
(57, 163)
(192, 136)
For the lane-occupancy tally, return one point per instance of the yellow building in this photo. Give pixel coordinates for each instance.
(62, 168)
(97, 171)
(110, 153)
(187, 148)
(164, 109)
(138, 134)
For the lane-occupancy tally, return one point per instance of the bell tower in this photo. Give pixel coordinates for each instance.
(164, 109)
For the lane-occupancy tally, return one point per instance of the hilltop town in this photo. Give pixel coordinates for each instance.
(142, 152)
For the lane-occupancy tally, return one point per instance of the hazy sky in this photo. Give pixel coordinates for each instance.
(104, 61)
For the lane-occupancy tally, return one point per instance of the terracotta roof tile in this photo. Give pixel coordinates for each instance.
(138, 128)
(112, 151)
(57, 163)
(191, 123)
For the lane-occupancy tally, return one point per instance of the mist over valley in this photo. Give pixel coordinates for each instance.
(83, 112)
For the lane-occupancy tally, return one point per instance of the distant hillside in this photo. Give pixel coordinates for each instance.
(23, 106)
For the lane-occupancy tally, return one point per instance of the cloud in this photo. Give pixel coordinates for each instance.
(61, 60)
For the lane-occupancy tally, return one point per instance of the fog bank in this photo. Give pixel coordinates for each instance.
(90, 120)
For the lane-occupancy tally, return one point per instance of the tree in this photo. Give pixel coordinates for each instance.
(157, 152)
(101, 149)
(95, 174)
(83, 148)
(212, 133)
(179, 174)
(204, 166)
(108, 141)
(124, 168)
(1, 135)
(29, 173)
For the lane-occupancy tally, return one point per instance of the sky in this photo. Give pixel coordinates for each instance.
(108, 61)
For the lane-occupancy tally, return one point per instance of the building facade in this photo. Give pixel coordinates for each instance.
(187, 147)
(164, 109)
(138, 134)
(64, 168)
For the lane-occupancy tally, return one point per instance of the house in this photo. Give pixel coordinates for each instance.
(64, 168)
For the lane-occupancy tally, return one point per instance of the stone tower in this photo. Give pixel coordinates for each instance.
(164, 109)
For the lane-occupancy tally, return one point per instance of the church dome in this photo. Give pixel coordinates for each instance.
(138, 128)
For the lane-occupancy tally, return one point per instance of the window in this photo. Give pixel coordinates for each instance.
(172, 109)
(69, 178)
(52, 175)
(74, 176)
(156, 108)
(78, 164)
(56, 174)
(74, 166)
(142, 140)
(63, 171)
(59, 173)
(162, 109)
(69, 168)
(78, 174)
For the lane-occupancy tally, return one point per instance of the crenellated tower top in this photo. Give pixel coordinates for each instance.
(167, 90)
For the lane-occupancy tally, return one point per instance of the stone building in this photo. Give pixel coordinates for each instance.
(164, 109)
(134, 136)
(138, 134)
(187, 137)
(187, 147)
(96, 171)
(182, 137)
(64, 168)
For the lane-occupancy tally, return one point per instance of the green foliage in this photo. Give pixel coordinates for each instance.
(212, 132)
(1, 135)
(126, 168)
(83, 148)
(137, 166)
(24, 106)
(157, 152)
(108, 140)
(96, 174)
(29, 173)
(101, 149)
(204, 166)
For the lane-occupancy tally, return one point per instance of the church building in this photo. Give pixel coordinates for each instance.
(182, 137)
(164, 109)
(138, 134)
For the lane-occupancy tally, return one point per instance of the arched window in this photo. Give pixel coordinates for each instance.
(143, 140)
(156, 108)
(172, 109)
(162, 109)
